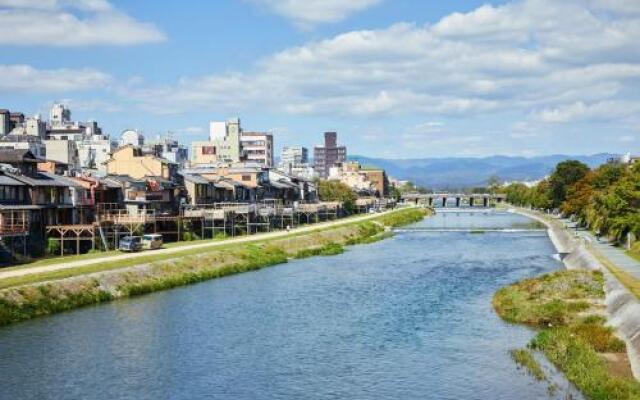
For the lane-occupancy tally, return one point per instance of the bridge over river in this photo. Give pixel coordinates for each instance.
(457, 200)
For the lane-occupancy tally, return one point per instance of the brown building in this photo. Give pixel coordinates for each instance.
(327, 156)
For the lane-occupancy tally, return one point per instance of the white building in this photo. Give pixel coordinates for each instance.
(64, 151)
(294, 155)
(131, 137)
(294, 160)
(79, 144)
(217, 130)
(59, 115)
(24, 142)
(94, 152)
(257, 147)
(32, 126)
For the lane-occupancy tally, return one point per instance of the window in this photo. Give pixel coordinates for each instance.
(246, 178)
(208, 150)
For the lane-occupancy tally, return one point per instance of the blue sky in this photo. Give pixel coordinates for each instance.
(395, 78)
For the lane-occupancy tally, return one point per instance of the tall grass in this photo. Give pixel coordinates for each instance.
(565, 305)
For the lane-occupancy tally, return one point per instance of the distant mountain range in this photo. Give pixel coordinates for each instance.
(456, 173)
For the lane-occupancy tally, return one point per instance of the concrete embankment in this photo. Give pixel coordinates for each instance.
(36, 299)
(623, 308)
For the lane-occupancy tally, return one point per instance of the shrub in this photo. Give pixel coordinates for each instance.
(53, 247)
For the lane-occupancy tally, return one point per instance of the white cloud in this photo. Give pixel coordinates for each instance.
(306, 13)
(580, 111)
(543, 60)
(627, 139)
(68, 23)
(18, 78)
(192, 129)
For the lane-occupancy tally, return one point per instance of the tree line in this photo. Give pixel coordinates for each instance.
(605, 199)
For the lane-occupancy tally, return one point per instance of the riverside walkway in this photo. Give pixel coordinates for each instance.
(601, 249)
(67, 264)
(614, 254)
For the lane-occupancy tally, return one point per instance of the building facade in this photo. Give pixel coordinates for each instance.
(129, 160)
(294, 155)
(328, 155)
(257, 147)
(5, 122)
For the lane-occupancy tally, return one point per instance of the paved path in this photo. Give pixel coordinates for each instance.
(177, 249)
(616, 255)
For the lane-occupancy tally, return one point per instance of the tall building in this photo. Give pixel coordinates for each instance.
(294, 161)
(229, 143)
(59, 115)
(81, 145)
(223, 144)
(325, 157)
(257, 147)
(294, 155)
(5, 122)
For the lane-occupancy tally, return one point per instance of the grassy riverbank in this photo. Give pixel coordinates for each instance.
(567, 307)
(105, 282)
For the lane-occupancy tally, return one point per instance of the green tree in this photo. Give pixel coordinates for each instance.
(337, 191)
(566, 174)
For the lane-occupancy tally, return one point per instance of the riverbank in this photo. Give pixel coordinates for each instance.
(621, 306)
(202, 262)
(567, 308)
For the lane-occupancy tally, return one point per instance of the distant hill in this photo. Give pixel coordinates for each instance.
(454, 173)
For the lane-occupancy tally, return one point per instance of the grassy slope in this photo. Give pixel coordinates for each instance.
(565, 306)
(400, 217)
(28, 301)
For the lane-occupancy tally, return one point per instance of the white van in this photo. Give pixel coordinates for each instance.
(152, 241)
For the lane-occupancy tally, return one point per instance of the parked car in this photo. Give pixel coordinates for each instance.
(130, 243)
(151, 242)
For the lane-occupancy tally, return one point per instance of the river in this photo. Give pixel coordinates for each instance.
(405, 318)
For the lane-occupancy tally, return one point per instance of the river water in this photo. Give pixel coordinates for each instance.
(406, 318)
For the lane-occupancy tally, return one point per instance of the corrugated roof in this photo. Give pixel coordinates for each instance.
(44, 179)
(66, 181)
(7, 181)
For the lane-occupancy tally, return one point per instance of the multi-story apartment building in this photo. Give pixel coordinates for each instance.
(294, 161)
(257, 147)
(230, 144)
(223, 144)
(294, 155)
(79, 144)
(328, 155)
